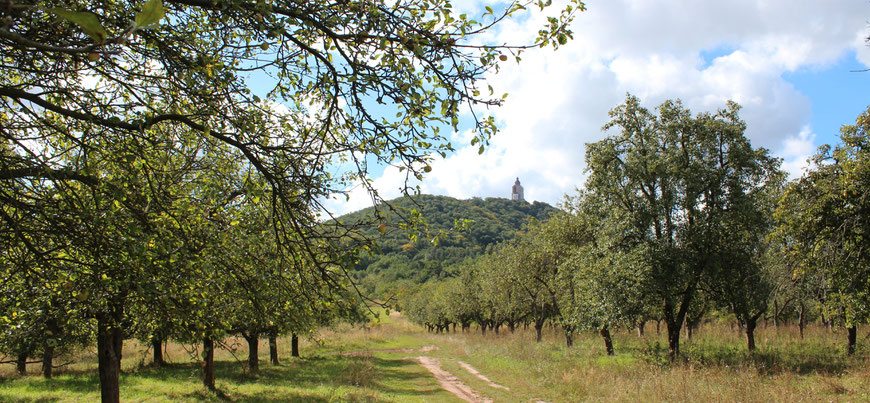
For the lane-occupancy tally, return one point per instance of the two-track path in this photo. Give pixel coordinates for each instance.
(450, 382)
(446, 380)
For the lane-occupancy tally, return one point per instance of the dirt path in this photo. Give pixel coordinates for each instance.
(482, 377)
(395, 350)
(451, 383)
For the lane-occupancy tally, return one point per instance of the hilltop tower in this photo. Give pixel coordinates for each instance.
(517, 191)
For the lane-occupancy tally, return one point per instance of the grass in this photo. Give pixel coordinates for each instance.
(321, 375)
(715, 367)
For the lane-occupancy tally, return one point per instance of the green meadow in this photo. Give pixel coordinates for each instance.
(378, 363)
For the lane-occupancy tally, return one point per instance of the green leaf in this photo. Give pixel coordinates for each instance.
(152, 12)
(88, 22)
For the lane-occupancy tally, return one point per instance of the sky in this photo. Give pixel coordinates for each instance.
(793, 65)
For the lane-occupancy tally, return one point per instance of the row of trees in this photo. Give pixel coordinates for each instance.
(158, 246)
(680, 217)
(163, 164)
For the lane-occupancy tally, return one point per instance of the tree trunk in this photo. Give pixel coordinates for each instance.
(775, 315)
(750, 334)
(640, 325)
(658, 327)
(608, 341)
(483, 329)
(157, 347)
(253, 340)
(273, 349)
(109, 345)
(852, 336)
(294, 345)
(512, 327)
(569, 336)
(47, 359)
(21, 363)
(48, 346)
(208, 363)
(538, 326)
(690, 331)
(802, 320)
(673, 339)
(495, 328)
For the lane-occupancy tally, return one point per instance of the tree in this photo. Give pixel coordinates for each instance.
(669, 178)
(601, 278)
(823, 225)
(532, 269)
(743, 273)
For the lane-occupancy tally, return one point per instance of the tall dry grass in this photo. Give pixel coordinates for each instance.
(715, 365)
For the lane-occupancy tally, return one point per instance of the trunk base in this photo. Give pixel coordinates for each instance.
(208, 364)
(294, 345)
(273, 350)
(109, 345)
(852, 339)
(608, 341)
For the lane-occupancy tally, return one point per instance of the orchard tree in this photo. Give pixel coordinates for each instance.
(671, 177)
(602, 288)
(532, 269)
(824, 224)
(501, 296)
(743, 273)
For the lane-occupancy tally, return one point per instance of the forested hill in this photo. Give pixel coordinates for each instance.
(401, 260)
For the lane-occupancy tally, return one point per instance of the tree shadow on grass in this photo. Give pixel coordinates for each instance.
(12, 399)
(344, 378)
(73, 383)
(771, 361)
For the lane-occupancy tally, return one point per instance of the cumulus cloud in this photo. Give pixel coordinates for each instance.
(796, 152)
(703, 52)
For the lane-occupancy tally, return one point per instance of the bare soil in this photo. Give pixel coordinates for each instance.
(451, 383)
(482, 377)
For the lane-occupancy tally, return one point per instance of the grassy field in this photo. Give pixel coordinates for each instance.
(352, 365)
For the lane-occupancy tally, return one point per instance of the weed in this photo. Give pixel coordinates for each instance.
(360, 371)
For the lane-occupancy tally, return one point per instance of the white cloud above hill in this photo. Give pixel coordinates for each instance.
(703, 52)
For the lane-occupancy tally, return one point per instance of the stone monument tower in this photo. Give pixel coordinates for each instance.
(517, 191)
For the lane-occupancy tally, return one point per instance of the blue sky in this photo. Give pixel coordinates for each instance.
(838, 93)
(789, 64)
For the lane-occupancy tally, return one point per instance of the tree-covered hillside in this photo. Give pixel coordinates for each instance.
(400, 259)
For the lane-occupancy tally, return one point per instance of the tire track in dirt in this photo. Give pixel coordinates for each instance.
(451, 383)
(482, 377)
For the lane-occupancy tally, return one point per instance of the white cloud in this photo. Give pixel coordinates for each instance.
(654, 49)
(796, 152)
